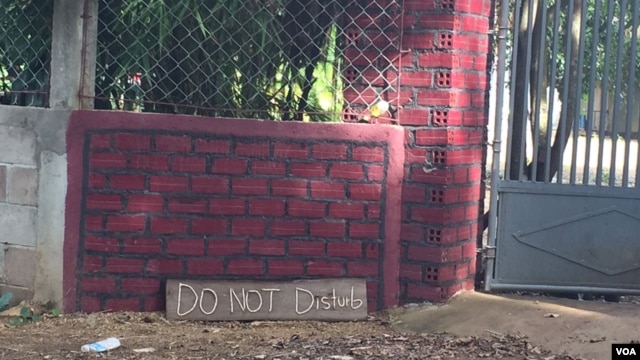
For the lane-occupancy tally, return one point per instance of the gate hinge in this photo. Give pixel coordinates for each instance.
(488, 252)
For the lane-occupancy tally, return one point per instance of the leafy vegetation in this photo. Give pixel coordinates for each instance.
(278, 59)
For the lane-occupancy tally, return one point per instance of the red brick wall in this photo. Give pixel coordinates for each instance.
(441, 93)
(446, 45)
(161, 197)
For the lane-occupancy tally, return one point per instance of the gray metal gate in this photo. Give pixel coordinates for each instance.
(565, 193)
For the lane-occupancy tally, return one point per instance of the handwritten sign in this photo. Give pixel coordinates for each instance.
(326, 299)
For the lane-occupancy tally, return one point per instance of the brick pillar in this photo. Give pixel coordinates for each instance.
(444, 64)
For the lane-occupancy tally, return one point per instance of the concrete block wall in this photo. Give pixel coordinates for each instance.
(180, 197)
(32, 188)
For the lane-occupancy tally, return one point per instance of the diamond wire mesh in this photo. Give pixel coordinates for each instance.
(25, 51)
(304, 60)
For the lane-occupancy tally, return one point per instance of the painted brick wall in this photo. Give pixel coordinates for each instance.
(442, 69)
(445, 66)
(230, 199)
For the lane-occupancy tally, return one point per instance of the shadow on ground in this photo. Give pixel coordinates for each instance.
(583, 329)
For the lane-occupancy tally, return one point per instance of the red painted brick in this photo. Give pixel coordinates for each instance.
(375, 172)
(347, 171)
(411, 272)
(140, 285)
(329, 151)
(128, 182)
(149, 162)
(362, 269)
(328, 190)
(108, 202)
(89, 304)
(142, 246)
(226, 247)
(289, 187)
(268, 168)
(167, 143)
(208, 226)
(204, 267)
(185, 247)
(373, 211)
(97, 181)
(310, 209)
(249, 187)
(145, 203)
(287, 228)
(410, 232)
(168, 183)
(266, 247)
(368, 154)
(133, 142)
(417, 79)
(154, 303)
(291, 151)
(213, 146)
(305, 248)
(345, 249)
(413, 193)
(434, 176)
(359, 231)
(372, 251)
(365, 191)
(435, 98)
(469, 250)
(309, 170)
(413, 117)
(425, 292)
(229, 166)
(346, 210)
(122, 304)
(285, 267)
(227, 207)
(324, 268)
(121, 223)
(124, 266)
(266, 207)
(98, 284)
(190, 205)
(250, 227)
(107, 161)
(164, 266)
(209, 185)
(245, 267)
(100, 142)
(418, 41)
(101, 244)
(327, 229)
(92, 263)
(420, 5)
(434, 255)
(188, 164)
(255, 150)
(168, 225)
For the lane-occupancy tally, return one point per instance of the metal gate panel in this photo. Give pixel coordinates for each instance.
(565, 200)
(568, 237)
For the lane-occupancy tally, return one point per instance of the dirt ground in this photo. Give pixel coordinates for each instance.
(472, 326)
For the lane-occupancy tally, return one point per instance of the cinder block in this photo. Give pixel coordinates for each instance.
(22, 186)
(3, 183)
(20, 266)
(17, 145)
(17, 225)
(19, 293)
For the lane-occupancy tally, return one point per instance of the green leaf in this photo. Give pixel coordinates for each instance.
(25, 312)
(36, 317)
(55, 312)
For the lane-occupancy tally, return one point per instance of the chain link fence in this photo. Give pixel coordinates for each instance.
(25, 51)
(303, 60)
